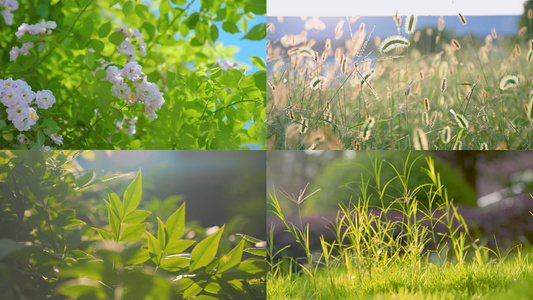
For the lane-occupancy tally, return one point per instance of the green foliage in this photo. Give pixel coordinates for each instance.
(405, 251)
(342, 179)
(183, 50)
(46, 250)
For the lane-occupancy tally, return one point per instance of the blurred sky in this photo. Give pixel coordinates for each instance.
(217, 185)
(389, 7)
(385, 26)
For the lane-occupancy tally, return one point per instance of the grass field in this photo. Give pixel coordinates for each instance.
(421, 255)
(421, 89)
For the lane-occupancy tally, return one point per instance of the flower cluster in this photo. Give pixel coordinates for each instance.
(17, 97)
(10, 5)
(130, 84)
(127, 46)
(38, 29)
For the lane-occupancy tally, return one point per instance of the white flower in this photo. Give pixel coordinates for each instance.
(120, 90)
(123, 30)
(150, 112)
(114, 74)
(11, 96)
(26, 47)
(132, 71)
(49, 24)
(34, 117)
(142, 48)
(8, 16)
(131, 130)
(45, 148)
(18, 113)
(45, 99)
(131, 98)
(27, 94)
(56, 138)
(23, 139)
(11, 4)
(135, 33)
(126, 47)
(14, 53)
(148, 91)
(22, 30)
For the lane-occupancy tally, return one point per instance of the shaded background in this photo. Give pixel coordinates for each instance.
(218, 187)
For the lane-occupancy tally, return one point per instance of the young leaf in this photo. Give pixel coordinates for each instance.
(116, 205)
(178, 246)
(258, 62)
(104, 30)
(256, 251)
(231, 259)
(205, 251)
(153, 247)
(132, 196)
(104, 234)
(161, 234)
(132, 232)
(250, 239)
(257, 33)
(85, 179)
(136, 216)
(175, 224)
(174, 263)
(114, 222)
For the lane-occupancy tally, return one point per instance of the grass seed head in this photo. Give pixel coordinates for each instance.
(462, 19)
(441, 23)
(393, 42)
(456, 44)
(461, 121)
(508, 82)
(318, 82)
(410, 24)
(446, 134)
(530, 55)
(443, 85)
(484, 146)
(530, 111)
(494, 34)
(426, 104)
(420, 140)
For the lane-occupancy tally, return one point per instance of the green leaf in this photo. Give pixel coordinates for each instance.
(117, 37)
(138, 258)
(178, 246)
(231, 259)
(230, 27)
(132, 232)
(161, 234)
(101, 73)
(153, 247)
(205, 251)
(126, 8)
(104, 30)
(250, 239)
(174, 263)
(258, 62)
(141, 11)
(176, 223)
(85, 179)
(8, 246)
(114, 222)
(116, 205)
(104, 234)
(257, 7)
(257, 33)
(213, 32)
(256, 251)
(136, 217)
(132, 196)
